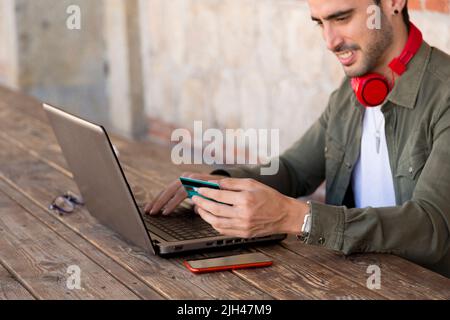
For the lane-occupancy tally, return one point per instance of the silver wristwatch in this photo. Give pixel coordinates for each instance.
(306, 227)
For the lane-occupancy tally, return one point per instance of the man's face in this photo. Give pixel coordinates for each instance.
(345, 30)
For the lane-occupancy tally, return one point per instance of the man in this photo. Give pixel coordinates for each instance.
(387, 167)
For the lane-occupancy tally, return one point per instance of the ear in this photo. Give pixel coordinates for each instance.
(395, 7)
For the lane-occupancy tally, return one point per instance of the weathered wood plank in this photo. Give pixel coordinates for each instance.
(21, 102)
(400, 278)
(168, 276)
(41, 259)
(121, 274)
(292, 277)
(10, 288)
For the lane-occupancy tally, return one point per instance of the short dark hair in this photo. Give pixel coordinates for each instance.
(405, 12)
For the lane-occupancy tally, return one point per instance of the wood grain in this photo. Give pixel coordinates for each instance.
(167, 276)
(42, 259)
(400, 279)
(10, 288)
(115, 270)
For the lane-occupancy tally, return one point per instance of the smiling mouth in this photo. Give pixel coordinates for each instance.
(347, 57)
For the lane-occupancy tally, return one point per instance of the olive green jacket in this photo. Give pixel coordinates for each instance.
(417, 114)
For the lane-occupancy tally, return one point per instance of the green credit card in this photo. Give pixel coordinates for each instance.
(192, 185)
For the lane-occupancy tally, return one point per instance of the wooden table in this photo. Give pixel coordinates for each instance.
(37, 246)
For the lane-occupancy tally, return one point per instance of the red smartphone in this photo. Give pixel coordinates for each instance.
(241, 261)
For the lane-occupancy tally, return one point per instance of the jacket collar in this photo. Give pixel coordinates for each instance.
(406, 88)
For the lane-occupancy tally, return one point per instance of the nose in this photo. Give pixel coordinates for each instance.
(332, 38)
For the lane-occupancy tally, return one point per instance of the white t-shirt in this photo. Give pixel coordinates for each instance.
(372, 180)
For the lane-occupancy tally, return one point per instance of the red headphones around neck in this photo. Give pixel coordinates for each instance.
(372, 89)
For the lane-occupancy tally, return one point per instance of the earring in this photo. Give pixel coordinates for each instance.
(396, 12)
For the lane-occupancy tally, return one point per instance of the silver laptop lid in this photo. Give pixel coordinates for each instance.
(99, 176)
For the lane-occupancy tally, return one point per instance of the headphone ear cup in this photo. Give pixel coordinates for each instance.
(371, 90)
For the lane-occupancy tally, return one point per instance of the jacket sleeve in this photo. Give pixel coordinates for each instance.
(301, 167)
(418, 230)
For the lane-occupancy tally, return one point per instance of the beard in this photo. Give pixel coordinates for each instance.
(378, 42)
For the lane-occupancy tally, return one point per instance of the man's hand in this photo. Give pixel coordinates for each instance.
(174, 194)
(254, 209)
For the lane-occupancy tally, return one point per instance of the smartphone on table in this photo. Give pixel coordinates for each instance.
(240, 261)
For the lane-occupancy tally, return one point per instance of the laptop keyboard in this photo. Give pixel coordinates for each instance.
(183, 224)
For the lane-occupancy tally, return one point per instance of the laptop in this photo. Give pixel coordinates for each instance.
(109, 198)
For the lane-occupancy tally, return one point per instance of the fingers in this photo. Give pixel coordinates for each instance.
(237, 184)
(224, 226)
(215, 221)
(175, 201)
(148, 206)
(218, 209)
(196, 208)
(174, 194)
(225, 196)
(164, 197)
